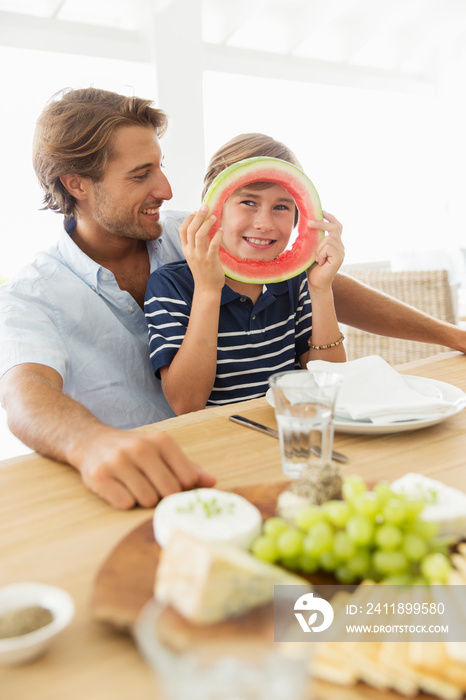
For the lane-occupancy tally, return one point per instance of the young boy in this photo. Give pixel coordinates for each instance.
(214, 340)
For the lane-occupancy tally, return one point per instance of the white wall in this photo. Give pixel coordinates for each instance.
(389, 165)
(375, 157)
(33, 77)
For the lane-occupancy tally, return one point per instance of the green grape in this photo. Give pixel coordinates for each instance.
(360, 529)
(352, 486)
(328, 561)
(337, 512)
(360, 563)
(414, 546)
(398, 579)
(374, 535)
(390, 562)
(442, 544)
(307, 563)
(265, 547)
(319, 539)
(435, 567)
(388, 536)
(291, 562)
(274, 526)
(307, 516)
(394, 511)
(426, 529)
(290, 543)
(414, 507)
(344, 574)
(383, 491)
(343, 546)
(367, 503)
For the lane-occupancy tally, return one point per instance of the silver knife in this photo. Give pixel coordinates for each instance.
(337, 456)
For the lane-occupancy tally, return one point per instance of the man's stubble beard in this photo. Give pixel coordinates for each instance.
(119, 223)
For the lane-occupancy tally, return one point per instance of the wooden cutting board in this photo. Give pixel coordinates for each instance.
(125, 582)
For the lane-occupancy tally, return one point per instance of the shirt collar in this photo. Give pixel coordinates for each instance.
(86, 268)
(269, 293)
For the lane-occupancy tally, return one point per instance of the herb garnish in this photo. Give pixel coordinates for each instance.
(209, 508)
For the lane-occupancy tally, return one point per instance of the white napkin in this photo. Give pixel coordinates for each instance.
(372, 390)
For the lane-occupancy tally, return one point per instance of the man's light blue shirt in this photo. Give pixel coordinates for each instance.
(67, 312)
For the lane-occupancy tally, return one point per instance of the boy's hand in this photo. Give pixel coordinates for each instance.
(329, 255)
(201, 252)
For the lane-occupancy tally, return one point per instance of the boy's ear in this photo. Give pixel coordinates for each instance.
(75, 185)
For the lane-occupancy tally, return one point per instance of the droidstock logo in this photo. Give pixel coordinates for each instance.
(314, 606)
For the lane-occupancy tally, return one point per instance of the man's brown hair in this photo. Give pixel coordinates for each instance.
(74, 134)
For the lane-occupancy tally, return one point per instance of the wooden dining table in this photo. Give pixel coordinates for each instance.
(54, 531)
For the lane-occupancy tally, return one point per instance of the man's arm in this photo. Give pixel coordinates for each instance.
(366, 308)
(123, 467)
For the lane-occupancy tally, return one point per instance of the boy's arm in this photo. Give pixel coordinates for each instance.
(188, 380)
(366, 308)
(325, 329)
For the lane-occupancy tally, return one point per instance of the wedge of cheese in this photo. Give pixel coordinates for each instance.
(208, 514)
(446, 505)
(207, 582)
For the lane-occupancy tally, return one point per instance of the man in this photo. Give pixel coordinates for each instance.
(74, 354)
(74, 362)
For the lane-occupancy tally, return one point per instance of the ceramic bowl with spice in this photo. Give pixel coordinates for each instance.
(31, 616)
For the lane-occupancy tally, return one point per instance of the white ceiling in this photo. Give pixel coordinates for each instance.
(400, 37)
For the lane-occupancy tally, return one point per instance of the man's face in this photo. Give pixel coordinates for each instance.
(126, 201)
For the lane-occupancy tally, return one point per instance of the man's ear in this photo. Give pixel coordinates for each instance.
(76, 185)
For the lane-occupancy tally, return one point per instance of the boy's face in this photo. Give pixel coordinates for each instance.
(257, 222)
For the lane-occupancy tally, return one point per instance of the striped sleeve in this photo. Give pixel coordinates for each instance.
(167, 316)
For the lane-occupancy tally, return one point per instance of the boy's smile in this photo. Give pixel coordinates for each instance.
(261, 242)
(257, 221)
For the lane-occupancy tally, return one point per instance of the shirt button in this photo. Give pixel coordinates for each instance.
(242, 298)
(105, 276)
(253, 318)
(131, 308)
(93, 288)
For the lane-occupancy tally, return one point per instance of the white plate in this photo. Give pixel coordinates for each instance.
(449, 393)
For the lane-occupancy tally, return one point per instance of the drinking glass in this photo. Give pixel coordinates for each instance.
(304, 404)
(237, 659)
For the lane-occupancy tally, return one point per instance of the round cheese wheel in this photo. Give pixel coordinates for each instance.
(207, 514)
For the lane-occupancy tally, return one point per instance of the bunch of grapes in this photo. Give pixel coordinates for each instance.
(377, 535)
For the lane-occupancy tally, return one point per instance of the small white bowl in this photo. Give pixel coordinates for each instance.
(25, 647)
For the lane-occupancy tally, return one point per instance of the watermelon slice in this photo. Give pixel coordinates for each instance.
(302, 253)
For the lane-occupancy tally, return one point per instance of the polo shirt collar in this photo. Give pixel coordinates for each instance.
(269, 294)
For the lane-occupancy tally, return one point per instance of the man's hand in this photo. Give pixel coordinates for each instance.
(126, 468)
(129, 468)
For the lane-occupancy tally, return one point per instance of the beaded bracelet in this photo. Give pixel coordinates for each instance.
(326, 347)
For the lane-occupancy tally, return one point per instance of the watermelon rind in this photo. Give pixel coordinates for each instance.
(301, 255)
